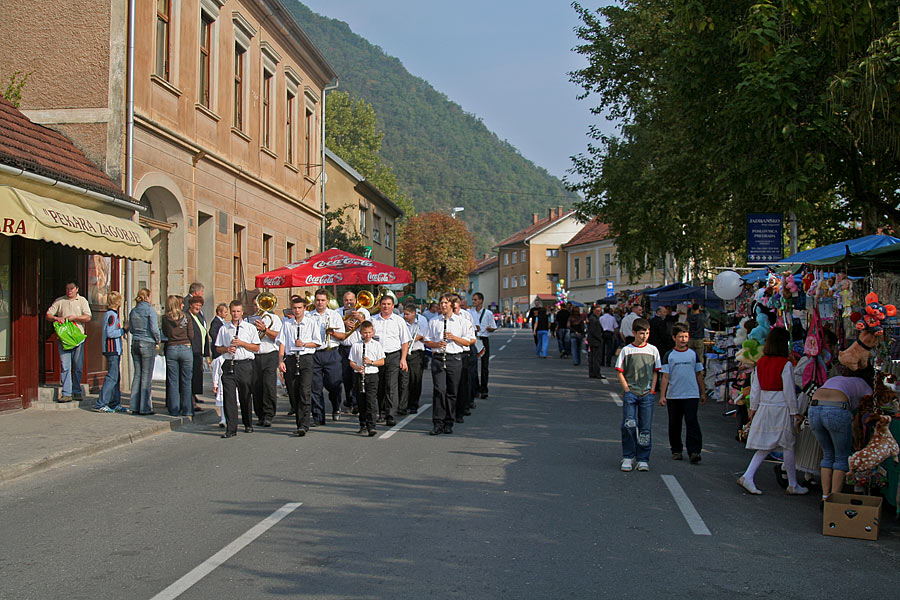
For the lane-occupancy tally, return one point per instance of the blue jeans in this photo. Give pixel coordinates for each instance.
(71, 362)
(577, 343)
(562, 340)
(142, 357)
(833, 428)
(179, 372)
(110, 393)
(542, 341)
(637, 420)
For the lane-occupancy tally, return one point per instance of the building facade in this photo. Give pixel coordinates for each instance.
(367, 211)
(484, 278)
(531, 261)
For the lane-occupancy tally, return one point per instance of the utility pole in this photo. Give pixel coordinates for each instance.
(793, 221)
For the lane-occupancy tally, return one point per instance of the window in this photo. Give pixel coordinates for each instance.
(206, 37)
(266, 243)
(240, 56)
(505, 282)
(309, 133)
(522, 281)
(661, 263)
(243, 32)
(553, 277)
(587, 267)
(552, 252)
(163, 50)
(506, 258)
(607, 264)
(522, 256)
(266, 109)
(289, 253)
(388, 230)
(577, 268)
(268, 93)
(376, 229)
(289, 128)
(237, 264)
(515, 281)
(515, 255)
(363, 225)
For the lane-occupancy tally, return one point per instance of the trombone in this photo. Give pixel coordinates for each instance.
(265, 303)
(364, 299)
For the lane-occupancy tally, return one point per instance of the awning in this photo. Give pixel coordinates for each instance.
(35, 217)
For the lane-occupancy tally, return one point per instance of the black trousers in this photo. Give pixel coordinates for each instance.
(485, 366)
(237, 378)
(463, 392)
(609, 348)
(595, 360)
(368, 399)
(474, 386)
(197, 375)
(445, 376)
(389, 383)
(298, 379)
(684, 409)
(348, 377)
(411, 381)
(265, 396)
(326, 376)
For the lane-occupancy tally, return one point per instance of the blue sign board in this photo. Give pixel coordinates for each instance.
(765, 238)
(610, 289)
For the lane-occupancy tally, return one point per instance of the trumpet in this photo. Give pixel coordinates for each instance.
(364, 299)
(265, 303)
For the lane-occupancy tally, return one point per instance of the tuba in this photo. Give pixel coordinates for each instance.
(265, 302)
(364, 299)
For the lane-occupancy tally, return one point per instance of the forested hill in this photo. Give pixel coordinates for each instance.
(443, 157)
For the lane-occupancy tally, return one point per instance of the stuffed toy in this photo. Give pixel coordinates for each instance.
(809, 280)
(845, 298)
(856, 357)
(761, 331)
(875, 314)
(880, 447)
(750, 352)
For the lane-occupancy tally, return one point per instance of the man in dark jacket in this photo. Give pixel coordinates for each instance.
(595, 342)
(659, 336)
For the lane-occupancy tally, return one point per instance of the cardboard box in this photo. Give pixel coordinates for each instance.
(852, 516)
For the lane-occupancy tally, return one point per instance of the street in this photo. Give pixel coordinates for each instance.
(524, 500)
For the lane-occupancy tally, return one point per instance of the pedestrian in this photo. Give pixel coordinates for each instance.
(448, 336)
(595, 342)
(697, 323)
(110, 399)
(217, 321)
(774, 411)
(179, 330)
(626, 327)
(265, 367)
(485, 325)
(637, 367)
(659, 335)
(366, 356)
(300, 337)
(327, 373)
(562, 330)
(392, 333)
(411, 378)
(609, 324)
(540, 327)
(532, 319)
(576, 334)
(682, 392)
(72, 308)
(144, 330)
(237, 341)
(199, 348)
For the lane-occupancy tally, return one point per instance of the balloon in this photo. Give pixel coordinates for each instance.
(728, 285)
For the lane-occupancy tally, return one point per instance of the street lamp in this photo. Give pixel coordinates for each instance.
(456, 209)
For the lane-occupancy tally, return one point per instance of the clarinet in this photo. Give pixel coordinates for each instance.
(362, 379)
(444, 339)
(297, 355)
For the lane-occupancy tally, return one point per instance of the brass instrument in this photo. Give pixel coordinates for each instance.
(382, 292)
(364, 299)
(265, 303)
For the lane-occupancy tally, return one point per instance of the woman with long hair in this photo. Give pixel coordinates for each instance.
(110, 399)
(144, 329)
(179, 330)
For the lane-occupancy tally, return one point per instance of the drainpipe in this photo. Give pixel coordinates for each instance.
(331, 86)
(129, 170)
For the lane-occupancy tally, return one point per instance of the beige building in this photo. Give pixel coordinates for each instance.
(531, 262)
(369, 213)
(483, 279)
(227, 146)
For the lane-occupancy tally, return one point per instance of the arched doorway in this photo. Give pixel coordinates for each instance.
(165, 224)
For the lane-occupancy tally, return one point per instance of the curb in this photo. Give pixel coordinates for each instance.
(48, 462)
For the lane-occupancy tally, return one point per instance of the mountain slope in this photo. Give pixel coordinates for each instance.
(443, 156)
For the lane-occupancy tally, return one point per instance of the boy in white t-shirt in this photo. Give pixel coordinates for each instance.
(366, 356)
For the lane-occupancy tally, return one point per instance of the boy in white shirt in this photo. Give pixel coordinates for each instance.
(366, 356)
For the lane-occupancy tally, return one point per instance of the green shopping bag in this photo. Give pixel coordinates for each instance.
(69, 334)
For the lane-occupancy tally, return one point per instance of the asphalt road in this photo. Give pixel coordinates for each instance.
(524, 500)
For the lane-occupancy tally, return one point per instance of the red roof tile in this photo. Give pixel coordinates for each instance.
(593, 231)
(533, 228)
(484, 264)
(43, 151)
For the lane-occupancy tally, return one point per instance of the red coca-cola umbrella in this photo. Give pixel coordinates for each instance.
(333, 267)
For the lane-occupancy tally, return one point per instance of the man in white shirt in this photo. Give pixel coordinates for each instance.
(432, 311)
(265, 367)
(296, 348)
(75, 308)
(238, 341)
(393, 334)
(327, 361)
(449, 335)
(347, 376)
(608, 323)
(625, 331)
(366, 355)
(464, 398)
(411, 378)
(485, 325)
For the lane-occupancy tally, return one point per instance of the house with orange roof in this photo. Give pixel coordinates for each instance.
(483, 279)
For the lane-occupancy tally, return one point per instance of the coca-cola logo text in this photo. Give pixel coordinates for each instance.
(328, 279)
(383, 277)
(273, 281)
(342, 262)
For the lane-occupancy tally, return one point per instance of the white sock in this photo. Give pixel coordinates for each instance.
(758, 457)
(791, 467)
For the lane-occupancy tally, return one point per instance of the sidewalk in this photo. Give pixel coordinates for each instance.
(34, 440)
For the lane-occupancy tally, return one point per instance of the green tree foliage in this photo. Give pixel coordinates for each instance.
(442, 156)
(438, 249)
(339, 234)
(13, 91)
(728, 107)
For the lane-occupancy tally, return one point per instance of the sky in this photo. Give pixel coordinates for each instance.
(505, 61)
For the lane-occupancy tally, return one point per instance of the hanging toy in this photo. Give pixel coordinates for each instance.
(875, 314)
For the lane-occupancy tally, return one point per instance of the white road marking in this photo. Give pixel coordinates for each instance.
(694, 521)
(502, 348)
(216, 560)
(618, 400)
(387, 434)
(493, 356)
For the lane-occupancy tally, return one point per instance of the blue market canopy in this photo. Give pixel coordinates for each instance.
(835, 253)
(701, 295)
(665, 288)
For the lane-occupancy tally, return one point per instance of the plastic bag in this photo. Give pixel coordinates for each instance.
(69, 334)
(159, 368)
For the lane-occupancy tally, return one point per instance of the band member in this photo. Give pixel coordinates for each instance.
(288, 315)
(448, 336)
(464, 401)
(392, 332)
(265, 367)
(347, 375)
(366, 355)
(237, 340)
(327, 361)
(485, 325)
(411, 379)
(297, 344)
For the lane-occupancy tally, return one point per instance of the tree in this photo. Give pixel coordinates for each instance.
(438, 249)
(339, 234)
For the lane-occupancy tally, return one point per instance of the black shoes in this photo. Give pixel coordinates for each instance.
(484, 396)
(267, 423)
(261, 423)
(300, 432)
(362, 430)
(372, 432)
(389, 421)
(695, 458)
(229, 434)
(248, 429)
(380, 418)
(413, 410)
(354, 411)
(460, 419)
(291, 413)
(448, 428)
(437, 430)
(401, 412)
(336, 415)
(313, 423)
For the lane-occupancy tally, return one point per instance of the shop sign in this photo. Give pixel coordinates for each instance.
(765, 238)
